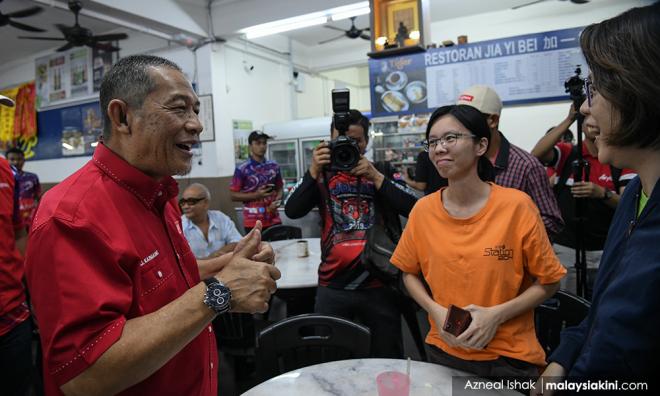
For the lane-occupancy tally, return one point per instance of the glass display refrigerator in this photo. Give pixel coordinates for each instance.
(398, 140)
(292, 145)
(286, 154)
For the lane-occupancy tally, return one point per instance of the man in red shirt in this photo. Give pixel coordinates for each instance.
(15, 328)
(115, 287)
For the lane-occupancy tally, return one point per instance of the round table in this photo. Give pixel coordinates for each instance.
(358, 377)
(297, 272)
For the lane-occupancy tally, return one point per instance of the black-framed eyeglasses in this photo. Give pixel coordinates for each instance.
(589, 90)
(446, 141)
(190, 201)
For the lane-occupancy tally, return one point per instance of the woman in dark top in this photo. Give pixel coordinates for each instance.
(619, 337)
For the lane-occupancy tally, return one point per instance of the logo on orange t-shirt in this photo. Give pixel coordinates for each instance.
(499, 251)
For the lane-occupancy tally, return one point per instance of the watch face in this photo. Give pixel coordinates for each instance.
(218, 297)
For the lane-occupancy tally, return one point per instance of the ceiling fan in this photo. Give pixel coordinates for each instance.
(540, 1)
(351, 33)
(6, 19)
(78, 36)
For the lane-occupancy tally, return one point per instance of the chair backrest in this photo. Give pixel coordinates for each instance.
(309, 339)
(556, 313)
(234, 331)
(281, 232)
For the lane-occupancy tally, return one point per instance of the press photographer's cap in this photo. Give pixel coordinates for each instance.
(6, 101)
(255, 135)
(483, 98)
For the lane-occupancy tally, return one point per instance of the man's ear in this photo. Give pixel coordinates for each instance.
(493, 121)
(118, 114)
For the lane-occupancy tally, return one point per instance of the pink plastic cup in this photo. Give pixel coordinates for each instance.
(393, 383)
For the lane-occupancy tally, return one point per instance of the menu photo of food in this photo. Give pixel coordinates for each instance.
(401, 91)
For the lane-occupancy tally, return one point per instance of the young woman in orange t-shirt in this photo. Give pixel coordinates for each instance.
(480, 247)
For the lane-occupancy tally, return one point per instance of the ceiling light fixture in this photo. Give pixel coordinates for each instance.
(306, 20)
(345, 12)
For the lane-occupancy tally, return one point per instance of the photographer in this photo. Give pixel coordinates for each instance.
(602, 190)
(347, 201)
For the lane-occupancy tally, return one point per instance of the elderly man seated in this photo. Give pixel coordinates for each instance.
(210, 233)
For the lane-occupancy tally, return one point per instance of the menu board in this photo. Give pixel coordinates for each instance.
(522, 69)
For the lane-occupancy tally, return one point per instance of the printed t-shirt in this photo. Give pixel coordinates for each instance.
(248, 177)
(487, 259)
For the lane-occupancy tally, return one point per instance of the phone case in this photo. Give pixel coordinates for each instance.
(457, 320)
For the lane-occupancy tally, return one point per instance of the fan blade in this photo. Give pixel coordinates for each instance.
(104, 46)
(365, 36)
(526, 4)
(367, 28)
(334, 28)
(110, 37)
(65, 47)
(63, 28)
(579, 1)
(332, 39)
(25, 13)
(25, 27)
(42, 38)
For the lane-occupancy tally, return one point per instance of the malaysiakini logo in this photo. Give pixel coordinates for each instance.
(499, 251)
(149, 258)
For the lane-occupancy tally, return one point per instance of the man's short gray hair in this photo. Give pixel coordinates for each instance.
(202, 187)
(130, 81)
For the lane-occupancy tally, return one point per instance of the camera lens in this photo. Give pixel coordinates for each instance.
(345, 154)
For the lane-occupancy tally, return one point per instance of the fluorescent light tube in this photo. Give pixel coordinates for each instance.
(302, 21)
(258, 31)
(351, 13)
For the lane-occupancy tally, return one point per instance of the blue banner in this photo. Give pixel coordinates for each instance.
(68, 131)
(522, 69)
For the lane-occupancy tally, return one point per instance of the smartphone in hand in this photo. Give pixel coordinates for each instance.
(457, 320)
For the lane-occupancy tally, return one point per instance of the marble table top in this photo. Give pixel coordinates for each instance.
(358, 377)
(297, 272)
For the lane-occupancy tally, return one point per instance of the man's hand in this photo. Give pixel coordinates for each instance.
(263, 191)
(274, 205)
(251, 282)
(482, 329)
(587, 190)
(572, 114)
(366, 169)
(320, 158)
(553, 373)
(265, 253)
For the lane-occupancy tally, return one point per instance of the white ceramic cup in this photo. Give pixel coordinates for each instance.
(302, 249)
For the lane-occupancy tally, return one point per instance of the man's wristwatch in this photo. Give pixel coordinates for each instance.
(607, 195)
(218, 296)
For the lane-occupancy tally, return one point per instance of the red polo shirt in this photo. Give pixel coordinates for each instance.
(13, 309)
(106, 246)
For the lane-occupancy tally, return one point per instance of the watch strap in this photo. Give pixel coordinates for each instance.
(211, 280)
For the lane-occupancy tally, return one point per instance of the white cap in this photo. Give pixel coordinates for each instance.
(6, 101)
(483, 98)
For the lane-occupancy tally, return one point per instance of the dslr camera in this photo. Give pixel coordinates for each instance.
(574, 86)
(344, 151)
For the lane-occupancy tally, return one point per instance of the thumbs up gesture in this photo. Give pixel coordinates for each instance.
(251, 282)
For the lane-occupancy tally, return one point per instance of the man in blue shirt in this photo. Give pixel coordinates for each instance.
(210, 233)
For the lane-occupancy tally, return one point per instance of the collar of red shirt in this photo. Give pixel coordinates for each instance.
(153, 194)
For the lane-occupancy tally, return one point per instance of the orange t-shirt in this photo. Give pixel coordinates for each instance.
(486, 260)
